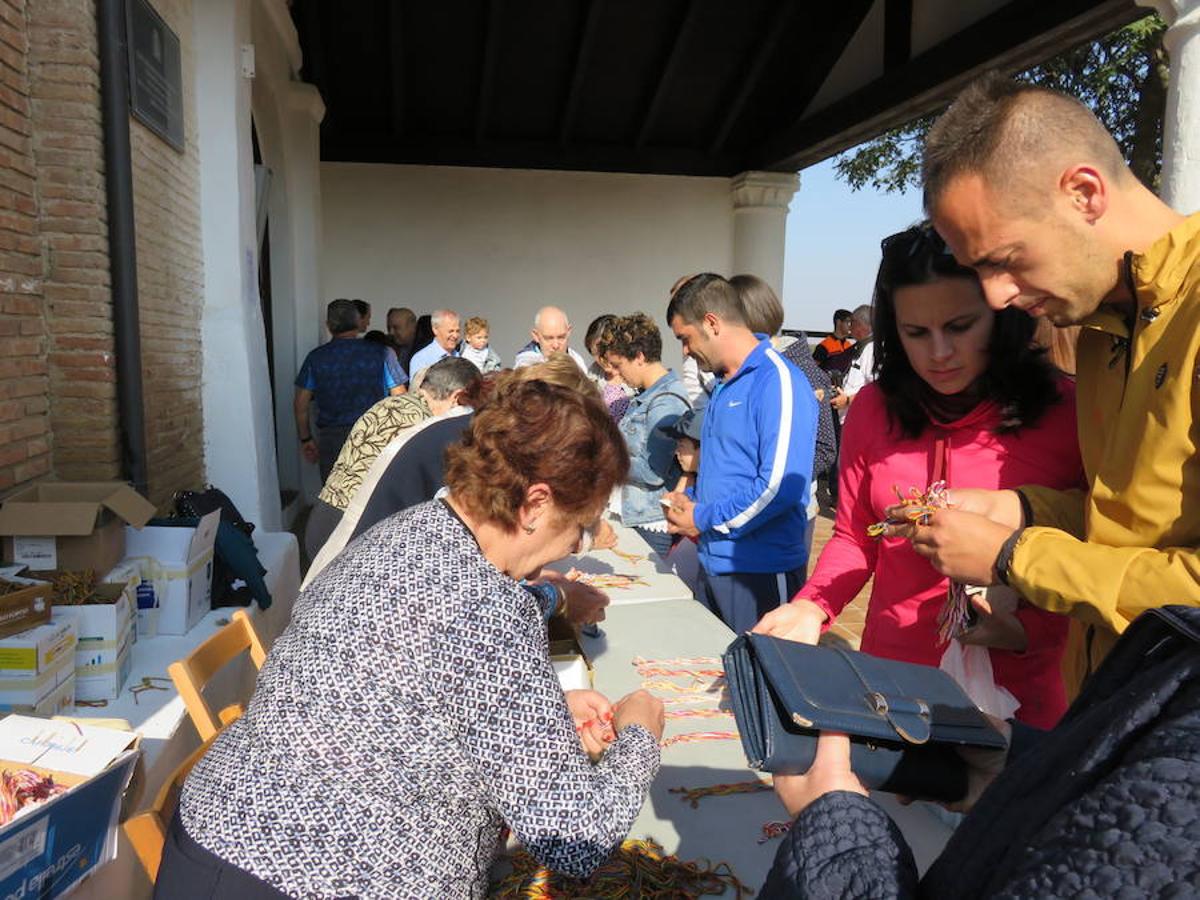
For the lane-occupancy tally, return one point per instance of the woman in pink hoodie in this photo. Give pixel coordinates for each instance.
(961, 395)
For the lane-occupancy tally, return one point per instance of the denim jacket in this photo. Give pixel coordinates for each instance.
(652, 467)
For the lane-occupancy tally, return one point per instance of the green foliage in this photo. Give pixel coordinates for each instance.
(1122, 77)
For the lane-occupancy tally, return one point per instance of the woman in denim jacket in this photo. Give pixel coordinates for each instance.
(633, 345)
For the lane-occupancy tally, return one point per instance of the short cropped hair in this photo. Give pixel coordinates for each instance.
(630, 335)
(702, 294)
(997, 127)
(760, 304)
(530, 431)
(474, 325)
(363, 307)
(447, 375)
(403, 312)
(862, 314)
(841, 315)
(341, 315)
(440, 315)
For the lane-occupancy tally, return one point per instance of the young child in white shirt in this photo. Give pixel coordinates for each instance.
(476, 347)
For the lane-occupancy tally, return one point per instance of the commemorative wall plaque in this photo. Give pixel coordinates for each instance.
(155, 72)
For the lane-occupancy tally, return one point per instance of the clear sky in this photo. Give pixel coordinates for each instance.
(833, 236)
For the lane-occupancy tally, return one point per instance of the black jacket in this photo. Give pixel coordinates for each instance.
(416, 474)
(1105, 805)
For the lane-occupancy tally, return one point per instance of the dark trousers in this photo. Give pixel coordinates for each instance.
(740, 599)
(660, 541)
(329, 444)
(189, 872)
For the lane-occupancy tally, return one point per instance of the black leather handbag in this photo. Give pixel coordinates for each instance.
(905, 721)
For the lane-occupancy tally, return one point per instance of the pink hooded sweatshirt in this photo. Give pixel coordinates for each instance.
(901, 621)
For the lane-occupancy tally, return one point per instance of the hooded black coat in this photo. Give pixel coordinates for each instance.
(1105, 805)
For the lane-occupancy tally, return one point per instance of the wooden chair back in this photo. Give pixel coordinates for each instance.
(195, 670)
(147, 831)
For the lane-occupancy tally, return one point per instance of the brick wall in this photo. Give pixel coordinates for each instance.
(58, 407)
(166, 186)
(69, 158)
(24, 381)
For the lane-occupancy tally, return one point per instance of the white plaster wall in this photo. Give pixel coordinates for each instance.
(239, 440)
(500, 243)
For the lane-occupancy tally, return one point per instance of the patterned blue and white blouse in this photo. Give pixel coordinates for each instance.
(408, 710)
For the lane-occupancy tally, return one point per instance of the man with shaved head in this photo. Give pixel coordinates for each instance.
(1028, 188)
(551, 334)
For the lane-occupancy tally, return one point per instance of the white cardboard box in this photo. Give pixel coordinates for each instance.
(178, 561)
(103, 628)
(35, 692)
(31, 653)
(103, 681)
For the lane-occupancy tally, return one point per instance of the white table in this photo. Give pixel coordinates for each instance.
(721, 829)
(659, 579)
(168, 736)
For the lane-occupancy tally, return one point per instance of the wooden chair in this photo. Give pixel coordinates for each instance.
(195, 670)
(147, 831)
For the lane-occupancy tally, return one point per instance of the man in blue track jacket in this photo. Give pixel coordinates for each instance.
(756, 452)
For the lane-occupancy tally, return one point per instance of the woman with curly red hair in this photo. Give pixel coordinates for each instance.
(411, 708)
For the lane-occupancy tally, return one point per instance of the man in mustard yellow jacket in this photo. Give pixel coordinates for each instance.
(1029, 189)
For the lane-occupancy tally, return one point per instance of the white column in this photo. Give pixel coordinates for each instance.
(1181, 123)
(760, 208)
(239, 438)
(299, 315)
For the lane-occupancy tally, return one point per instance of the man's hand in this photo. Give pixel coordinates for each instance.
(310, 451)
(593, 716)
(680, 515)
(840, 401)
(830, 772)
(961, 545)
(800, 621)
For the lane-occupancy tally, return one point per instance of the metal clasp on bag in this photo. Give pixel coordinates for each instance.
(877, 702)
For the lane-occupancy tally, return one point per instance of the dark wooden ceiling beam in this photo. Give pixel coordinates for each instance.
(372, 147)
(583, 55)
(487, 72)
(395, 49)
(1012, 39)
(314, 53)
(667, 73)
(760, 54)
(897, 33)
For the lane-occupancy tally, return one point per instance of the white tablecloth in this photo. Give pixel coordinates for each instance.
(168, 736)
(657, 578)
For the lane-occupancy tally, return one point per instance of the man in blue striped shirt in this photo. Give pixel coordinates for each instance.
(756, 463)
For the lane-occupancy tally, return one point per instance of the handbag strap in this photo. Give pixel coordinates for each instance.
(909, 716)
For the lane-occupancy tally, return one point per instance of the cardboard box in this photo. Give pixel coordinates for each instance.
(178, 562)
(71, 525)
(105, 634)
(60, 700)
(47, 850)
(38, 650)
(35, 664)
(571, 665)
(104, 680)
(26, 608)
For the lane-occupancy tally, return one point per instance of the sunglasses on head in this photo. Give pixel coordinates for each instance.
(916, 241)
